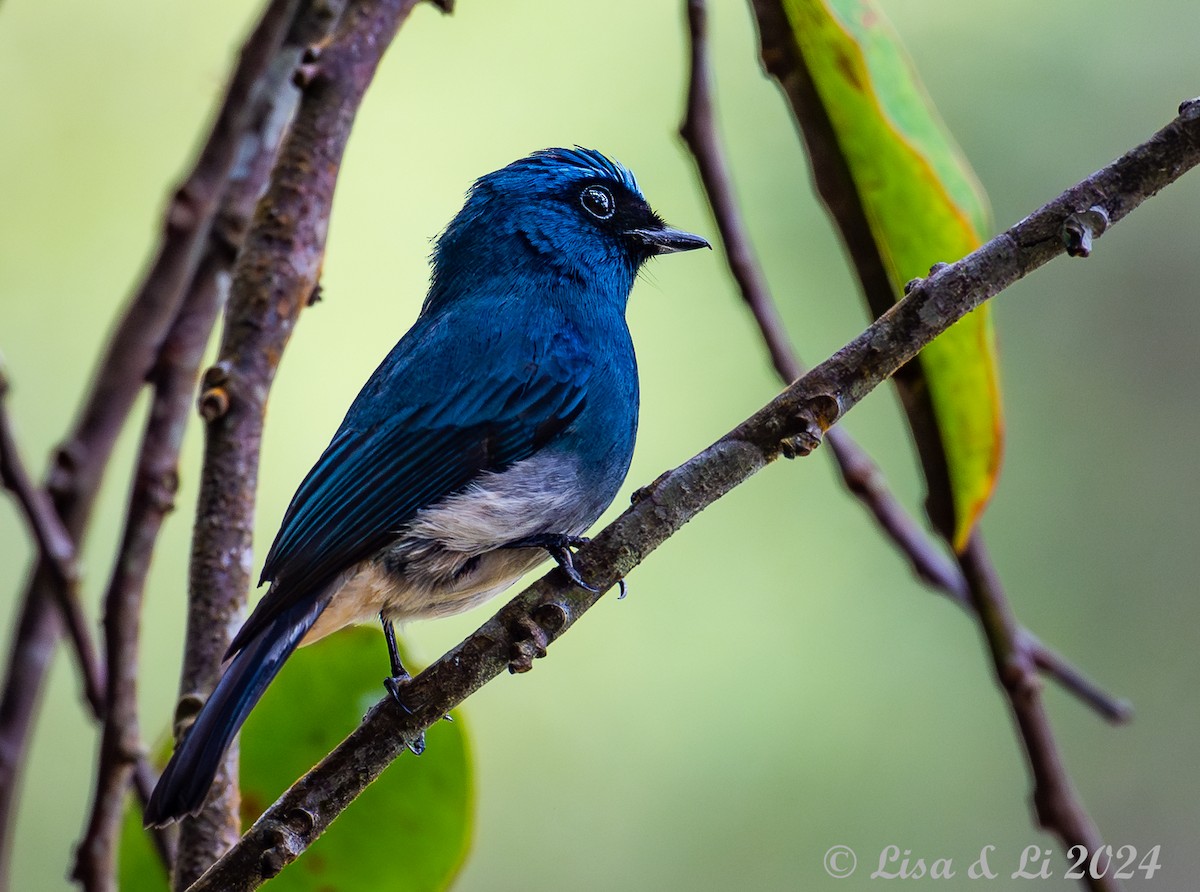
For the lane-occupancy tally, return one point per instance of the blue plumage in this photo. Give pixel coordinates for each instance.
(500, 426)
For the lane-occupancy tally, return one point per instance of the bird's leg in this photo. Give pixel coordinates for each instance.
(398, 680)
(400, 675)
(559, 547)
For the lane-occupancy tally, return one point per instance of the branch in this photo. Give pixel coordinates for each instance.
(56, 550)
(861, 476)
(54, 543)
(132, 353)
(274, 279)
(156, 477)
(790, 424)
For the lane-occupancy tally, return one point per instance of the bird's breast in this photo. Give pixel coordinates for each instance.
(546, 493)
(451, 556)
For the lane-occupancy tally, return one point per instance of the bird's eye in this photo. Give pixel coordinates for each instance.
(598, 202)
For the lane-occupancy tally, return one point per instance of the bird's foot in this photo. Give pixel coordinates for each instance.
(399, 680)
(559, 546)
(395, 684)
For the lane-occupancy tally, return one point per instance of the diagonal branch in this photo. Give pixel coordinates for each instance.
(861, 476)
(274, 279)
(790, 424)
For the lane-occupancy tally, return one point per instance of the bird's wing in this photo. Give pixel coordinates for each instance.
(376, 474)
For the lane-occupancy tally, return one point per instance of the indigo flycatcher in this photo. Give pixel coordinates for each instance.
(496, 431)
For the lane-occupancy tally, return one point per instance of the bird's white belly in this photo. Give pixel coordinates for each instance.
(447, 558)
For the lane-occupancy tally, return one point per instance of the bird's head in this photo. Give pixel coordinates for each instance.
(569, 216)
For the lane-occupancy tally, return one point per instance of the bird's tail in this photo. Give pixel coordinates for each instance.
(185, 781)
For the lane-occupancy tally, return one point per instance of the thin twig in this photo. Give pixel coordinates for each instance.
(1058, 809)
(788, 425)
(699, 133)
(274, 279)
(55, 546)
(866, 481)
(57, 581)
(1116, 709)
(53, 541)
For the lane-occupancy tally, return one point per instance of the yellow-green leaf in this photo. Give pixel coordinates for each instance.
(924, 206)
(410, 830)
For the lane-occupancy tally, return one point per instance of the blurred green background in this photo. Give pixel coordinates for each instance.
(776, 683)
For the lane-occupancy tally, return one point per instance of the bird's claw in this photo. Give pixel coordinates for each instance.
(566, 562)
(559, 546)
(395, 684)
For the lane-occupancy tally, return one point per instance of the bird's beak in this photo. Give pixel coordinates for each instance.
(667, 240)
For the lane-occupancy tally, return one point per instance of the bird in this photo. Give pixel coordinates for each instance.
(491, 437)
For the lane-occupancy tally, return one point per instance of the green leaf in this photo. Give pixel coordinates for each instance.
(410, 830)
(924, 206)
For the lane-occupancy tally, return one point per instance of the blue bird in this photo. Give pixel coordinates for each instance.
(495, 432)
